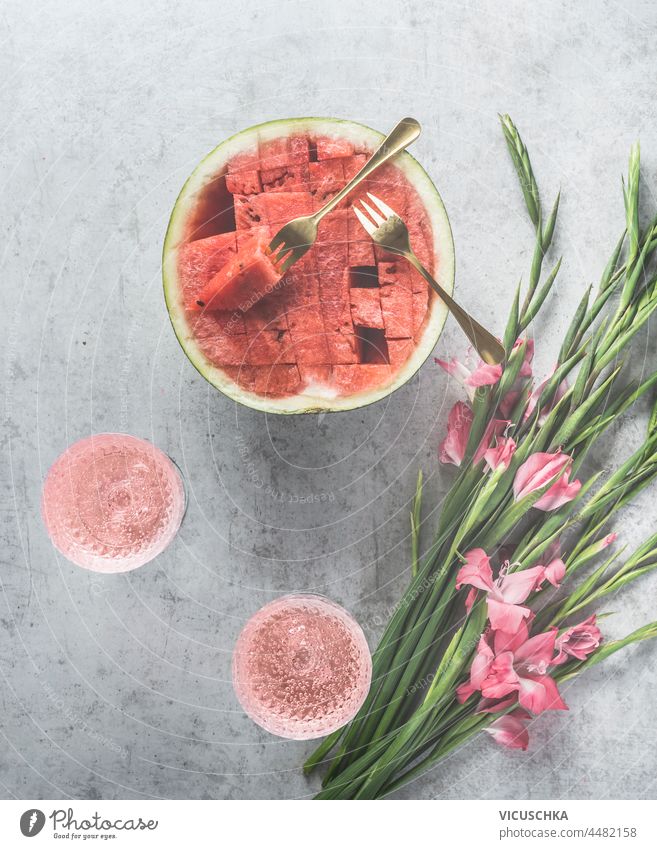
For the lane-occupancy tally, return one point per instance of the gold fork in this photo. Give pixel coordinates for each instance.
(388, 230)
(297, 237)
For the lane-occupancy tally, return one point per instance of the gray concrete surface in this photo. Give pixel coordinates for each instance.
(119, 687)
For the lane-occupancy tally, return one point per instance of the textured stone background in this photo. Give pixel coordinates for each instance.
(119, 687)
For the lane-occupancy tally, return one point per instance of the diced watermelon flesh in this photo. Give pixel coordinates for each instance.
(244, 183)
(326, 178)
(397, 309)
(332, 148)
(269, 347)
(347, 315)
(320, 375)
(248, 276)
(289, 178)
(278, 380)
(366, 308)
(350, 379)
(399, 350)
(199, 261)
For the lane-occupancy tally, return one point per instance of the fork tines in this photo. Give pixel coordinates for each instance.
(375, 216)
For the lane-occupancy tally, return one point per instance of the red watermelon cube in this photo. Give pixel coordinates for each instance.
(332, 148)
(299, 149)
(356, 378)
(246, 160)
(274, 153)
(289, 178)
(278, 380)
(326, 178)
(397, 309)
(334, 271)
(224, 350)
(280, 207)
(361, 246)
(210, 323)
(337, 317)
(244, 376)
(244, 183)
(352, 165)
(247, 277)
(307, 334)
(366, 308)
(250, 211)
(200, 260)
(397, 272)
(267, 314)
(399, 350)
(334, 228)
(269, 347)
(315, 374)
(343, 348)
(420, 307)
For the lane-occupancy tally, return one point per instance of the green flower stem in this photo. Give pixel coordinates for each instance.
(416, 522)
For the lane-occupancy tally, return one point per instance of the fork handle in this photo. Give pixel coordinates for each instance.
(405, 132)
(488, 347)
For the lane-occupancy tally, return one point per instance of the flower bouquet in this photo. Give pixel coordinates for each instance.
(499, 611)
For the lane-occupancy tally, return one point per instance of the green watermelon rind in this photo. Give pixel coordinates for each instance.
(209, 168)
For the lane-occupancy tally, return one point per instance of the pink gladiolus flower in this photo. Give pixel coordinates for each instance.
(501, 453)
(554, 572)
(506, 664)
(579, 641)
(494, 431)
(478, 671)
(510, 730)
(459, 423)
(555, 569)
(526, 367)
(476, 572)
(505, 595)
(604, 543)
(482, 375)
(452, 448)
(538, 471)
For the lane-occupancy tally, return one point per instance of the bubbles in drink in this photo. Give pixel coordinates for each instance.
(301, 667)
(112, 502)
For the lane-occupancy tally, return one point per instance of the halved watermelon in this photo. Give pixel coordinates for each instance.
(349, 323)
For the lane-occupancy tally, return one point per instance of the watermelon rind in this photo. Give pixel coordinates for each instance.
(318, 399)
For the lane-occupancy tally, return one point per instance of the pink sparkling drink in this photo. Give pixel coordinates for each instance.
(112, 502)
(301, 667)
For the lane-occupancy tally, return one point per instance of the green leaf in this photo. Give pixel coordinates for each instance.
(631, 197)
(416, 521)
(572, 334)
(548, 232)
(610, 268)
(632, 279)
(523, 167)
(652, 422)
(585, 410)
(512, 326)
(537, 302)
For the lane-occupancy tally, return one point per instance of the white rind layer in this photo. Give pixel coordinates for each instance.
(313, 399)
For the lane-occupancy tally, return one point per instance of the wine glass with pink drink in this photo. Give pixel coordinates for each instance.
(301, 667)
(112, 502)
